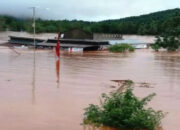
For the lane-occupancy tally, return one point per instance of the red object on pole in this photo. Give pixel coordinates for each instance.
(58, 45)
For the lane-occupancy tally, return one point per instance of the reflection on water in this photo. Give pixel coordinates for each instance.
(58, 71)
(34, 79)
(39, 92)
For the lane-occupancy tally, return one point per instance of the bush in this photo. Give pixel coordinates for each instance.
(123, 110)
(170, 43)
(121, 48)
(155, 47)
(170, 40)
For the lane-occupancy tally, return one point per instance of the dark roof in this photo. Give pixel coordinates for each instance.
(79, 43)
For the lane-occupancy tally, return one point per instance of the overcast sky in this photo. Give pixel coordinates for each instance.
(89, 10)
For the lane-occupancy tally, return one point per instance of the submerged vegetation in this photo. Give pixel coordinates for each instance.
(123, 111)
(170, 40)
(121, 48)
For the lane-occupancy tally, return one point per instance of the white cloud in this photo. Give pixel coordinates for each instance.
(92, 10)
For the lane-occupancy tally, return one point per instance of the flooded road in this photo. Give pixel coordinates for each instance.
(41, 93)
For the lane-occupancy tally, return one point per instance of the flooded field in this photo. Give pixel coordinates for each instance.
(40, 93)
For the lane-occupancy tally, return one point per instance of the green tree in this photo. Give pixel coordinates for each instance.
(2, 24)
(169, 40)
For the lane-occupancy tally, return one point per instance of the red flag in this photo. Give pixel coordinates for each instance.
(58, 45)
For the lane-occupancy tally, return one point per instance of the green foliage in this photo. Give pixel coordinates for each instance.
(150, 24)
(156, 47)
(2, 24)
(131, 48)
(169, 40)
(121, 48)
(123, 110)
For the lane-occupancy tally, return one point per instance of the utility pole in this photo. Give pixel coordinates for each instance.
(34, 25)
(34, 59)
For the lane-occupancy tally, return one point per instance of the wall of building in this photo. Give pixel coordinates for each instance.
(103, 36)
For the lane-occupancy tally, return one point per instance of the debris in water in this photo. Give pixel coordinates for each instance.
(123, 83)
(145, 85)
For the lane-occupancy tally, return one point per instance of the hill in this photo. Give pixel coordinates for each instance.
(149, 24)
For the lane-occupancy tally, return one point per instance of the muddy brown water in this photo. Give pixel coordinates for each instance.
(37, 95)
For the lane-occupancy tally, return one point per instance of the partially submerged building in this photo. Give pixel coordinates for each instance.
(66, 44)
(106, 36)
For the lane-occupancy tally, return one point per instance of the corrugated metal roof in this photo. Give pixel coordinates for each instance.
(65, 45)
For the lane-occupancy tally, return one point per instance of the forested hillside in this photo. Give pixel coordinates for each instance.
(150, 24)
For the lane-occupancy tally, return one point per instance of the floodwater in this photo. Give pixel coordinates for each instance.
(37, 92)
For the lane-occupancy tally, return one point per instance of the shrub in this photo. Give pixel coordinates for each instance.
(155, 47)
(170, 40)
(131, 48)
(170, 43)
(121, 48)
(123, 110)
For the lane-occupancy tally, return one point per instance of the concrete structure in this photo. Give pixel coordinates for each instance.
(86, 45)
(103, 36)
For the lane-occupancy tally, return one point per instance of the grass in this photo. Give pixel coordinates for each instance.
(123, 111)
(121, 48)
